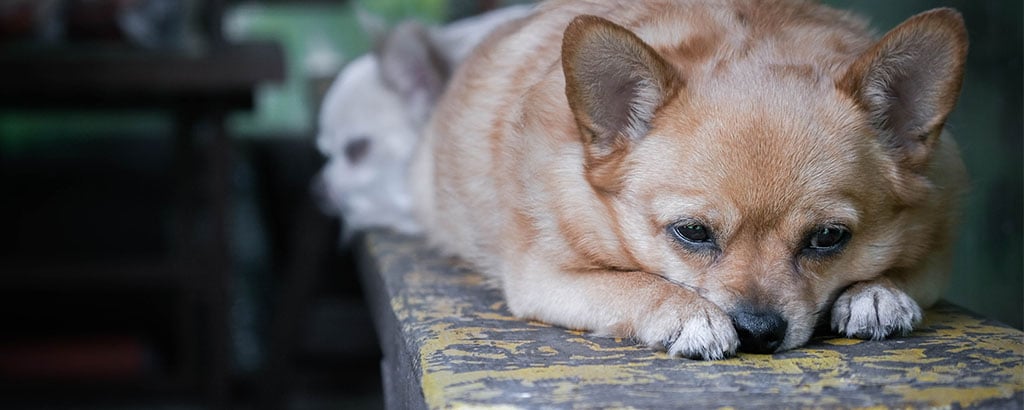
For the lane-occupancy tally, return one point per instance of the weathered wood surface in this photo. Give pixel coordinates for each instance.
(450, 342)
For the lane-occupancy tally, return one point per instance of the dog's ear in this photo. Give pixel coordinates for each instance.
(909, 82)
(412, 66)
(374, 26)
(614, 82)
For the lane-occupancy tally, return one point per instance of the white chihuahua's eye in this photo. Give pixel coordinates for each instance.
(357, 149)
(827, 240)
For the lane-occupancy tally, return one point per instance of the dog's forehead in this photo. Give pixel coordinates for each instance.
(775, 122)
(359, 100)
(776, 147)
(359, 107)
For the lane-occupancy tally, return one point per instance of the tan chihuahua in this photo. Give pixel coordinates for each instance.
(702, 176)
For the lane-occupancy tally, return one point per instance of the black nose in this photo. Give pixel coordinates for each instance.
(760, 331)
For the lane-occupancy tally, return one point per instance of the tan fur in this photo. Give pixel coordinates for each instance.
(566, 148)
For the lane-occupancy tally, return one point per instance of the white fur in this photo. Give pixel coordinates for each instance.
(373, 192)
(870, 310)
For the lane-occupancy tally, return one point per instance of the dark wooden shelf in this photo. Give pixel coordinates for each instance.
(124, 78)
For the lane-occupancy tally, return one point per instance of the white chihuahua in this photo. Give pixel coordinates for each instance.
(372, 115)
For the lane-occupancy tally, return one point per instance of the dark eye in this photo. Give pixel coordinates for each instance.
(827, 239)
(692, 232)
(357, 149)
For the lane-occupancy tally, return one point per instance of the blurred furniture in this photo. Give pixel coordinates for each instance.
(198, 89)
(449, 341)
(320, 336)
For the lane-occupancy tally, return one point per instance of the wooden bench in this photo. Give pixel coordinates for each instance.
(449, 342)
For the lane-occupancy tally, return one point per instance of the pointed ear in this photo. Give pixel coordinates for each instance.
(909, 82)
(413, 67)
(375, 26)
(614, 82)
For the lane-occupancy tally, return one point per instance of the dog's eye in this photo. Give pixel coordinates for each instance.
(357, 149)
(828, 238)
(692, 232)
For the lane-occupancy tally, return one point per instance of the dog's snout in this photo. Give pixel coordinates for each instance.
(760, 331)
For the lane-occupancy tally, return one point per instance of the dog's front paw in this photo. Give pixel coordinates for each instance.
(874, 310)
(698, 330)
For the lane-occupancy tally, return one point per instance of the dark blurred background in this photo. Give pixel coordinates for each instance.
(159, 246)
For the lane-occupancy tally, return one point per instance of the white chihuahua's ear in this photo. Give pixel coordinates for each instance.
(413, 67)
(375, 26)
(614, 82)
(909, 83)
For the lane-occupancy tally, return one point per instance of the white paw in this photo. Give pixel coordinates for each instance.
(696, 332)
(871, 310)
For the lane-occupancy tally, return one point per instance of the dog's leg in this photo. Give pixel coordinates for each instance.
(627, 304)
(891, 305)
(875, 309)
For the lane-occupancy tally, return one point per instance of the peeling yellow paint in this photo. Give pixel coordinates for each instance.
(842, 341)
(595, 347)
(475, 355)
(913, 355)
(965, 397)
(497, 316)
(438, 386)
(624, 364)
